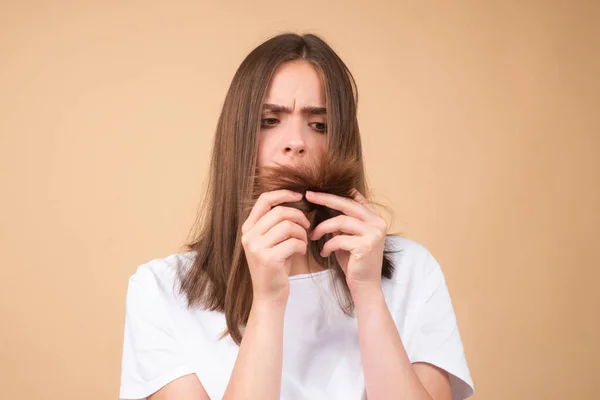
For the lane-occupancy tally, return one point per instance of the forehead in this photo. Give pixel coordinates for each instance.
(296, 81)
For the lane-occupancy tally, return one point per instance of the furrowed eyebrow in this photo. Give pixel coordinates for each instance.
(311, 110)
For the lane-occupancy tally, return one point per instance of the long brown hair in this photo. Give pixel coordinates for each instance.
(219, 278)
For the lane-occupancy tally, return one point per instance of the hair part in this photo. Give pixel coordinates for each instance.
(219, 278)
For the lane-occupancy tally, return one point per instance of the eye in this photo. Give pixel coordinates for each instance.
(268, 122)
(319, 126)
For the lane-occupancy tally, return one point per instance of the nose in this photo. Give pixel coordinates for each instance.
(294, 147)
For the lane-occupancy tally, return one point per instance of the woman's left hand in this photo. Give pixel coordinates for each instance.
(359, 237)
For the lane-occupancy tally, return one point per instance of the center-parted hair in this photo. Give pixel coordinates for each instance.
(219, 278)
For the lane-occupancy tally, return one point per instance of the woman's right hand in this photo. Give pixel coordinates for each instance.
(270, 236)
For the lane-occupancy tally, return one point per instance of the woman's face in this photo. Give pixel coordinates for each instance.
(294, 118)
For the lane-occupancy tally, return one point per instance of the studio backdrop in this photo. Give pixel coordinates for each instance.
(480, 127)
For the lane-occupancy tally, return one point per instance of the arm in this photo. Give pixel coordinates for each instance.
(387, 369)
(187, 387)
(358, 243)
(270, 236)
(257, 370)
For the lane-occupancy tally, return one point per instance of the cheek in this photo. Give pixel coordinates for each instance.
(320, 143)
(262, 156)
(318, 147)
(323, 142)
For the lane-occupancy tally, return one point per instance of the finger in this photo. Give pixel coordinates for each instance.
(276, 215)
(340, 242)
(341, 223)
(345, 205)
(280, 232)
(287, 248)
(265, 202)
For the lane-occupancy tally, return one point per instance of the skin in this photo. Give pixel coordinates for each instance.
(294, 125)
(275, 242)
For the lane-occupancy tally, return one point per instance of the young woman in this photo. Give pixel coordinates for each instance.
(248, 313)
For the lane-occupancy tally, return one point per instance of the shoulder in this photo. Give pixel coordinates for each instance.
(160, 273)
(154, 352)
(414, 250)
(422, 309)
(158, 279)
(412, 260)
(417, 273)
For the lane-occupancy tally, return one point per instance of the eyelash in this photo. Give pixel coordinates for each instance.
(267, 126)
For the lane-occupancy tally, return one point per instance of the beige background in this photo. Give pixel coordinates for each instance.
(481, 129)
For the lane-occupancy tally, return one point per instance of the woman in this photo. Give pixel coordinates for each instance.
(248, 313)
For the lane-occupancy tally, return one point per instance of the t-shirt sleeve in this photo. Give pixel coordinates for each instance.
(434, 337)
(152, 354)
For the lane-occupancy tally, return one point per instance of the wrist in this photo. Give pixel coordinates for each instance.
(269, 306)
(366, 292)
(358, 287)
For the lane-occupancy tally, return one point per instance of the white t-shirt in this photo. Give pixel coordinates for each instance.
(165, 340)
